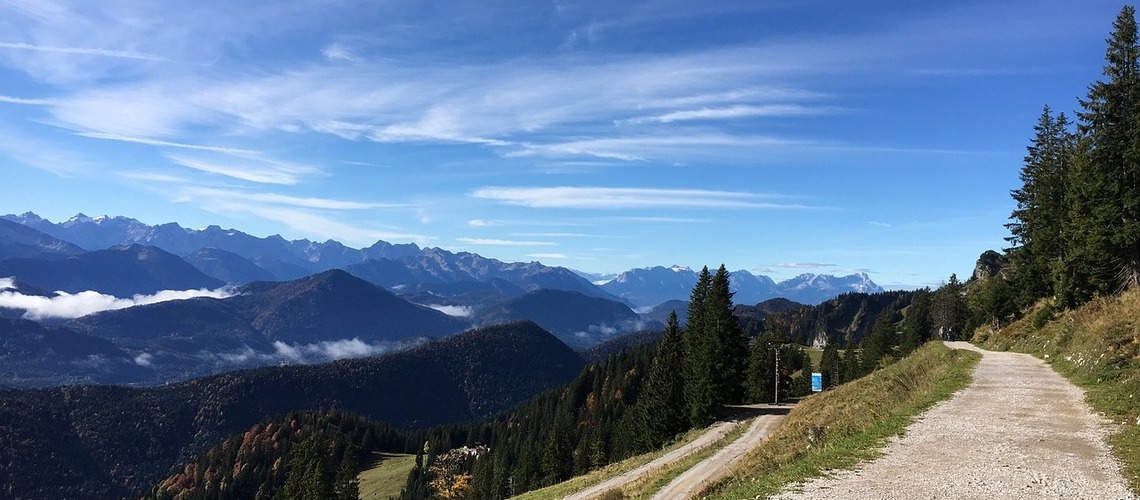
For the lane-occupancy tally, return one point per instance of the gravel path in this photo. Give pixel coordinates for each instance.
(1018, 431)
(695, 479)
(712, 435)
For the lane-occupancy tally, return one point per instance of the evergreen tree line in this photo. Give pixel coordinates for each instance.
(1075, 231)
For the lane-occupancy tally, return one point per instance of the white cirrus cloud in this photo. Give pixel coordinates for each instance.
(737, 112)
(74, 305)
(85, 51)
(618, 198)
(260, 172)
(547, 256)
(155, 142)
(28, 102)
(804, 265)
(500, 242)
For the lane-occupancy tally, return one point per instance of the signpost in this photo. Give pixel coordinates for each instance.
(816, 382)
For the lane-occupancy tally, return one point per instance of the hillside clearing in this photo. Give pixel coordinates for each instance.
(386, 476)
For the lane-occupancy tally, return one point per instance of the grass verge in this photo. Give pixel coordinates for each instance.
(387, 475)
(579, 483)
(645, 486)
(856, 420)
(1097, 347)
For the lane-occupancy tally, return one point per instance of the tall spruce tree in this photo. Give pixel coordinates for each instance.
(830, 366)
(948, 309)
(1107, 191)
(731, 348)
(660, 408)
(880, 342)
(700, 352)
(916, 325)
(1037, 225)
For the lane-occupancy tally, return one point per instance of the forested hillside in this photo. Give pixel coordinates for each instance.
(101, 442)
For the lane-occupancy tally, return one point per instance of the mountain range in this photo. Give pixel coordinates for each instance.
(235, 257)
(253, 301)
(652, 286)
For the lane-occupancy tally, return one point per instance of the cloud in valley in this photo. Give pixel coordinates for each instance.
(74, 305)
(456, 311)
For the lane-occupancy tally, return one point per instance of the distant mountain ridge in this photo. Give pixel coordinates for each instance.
(651, 286)
(233, 256)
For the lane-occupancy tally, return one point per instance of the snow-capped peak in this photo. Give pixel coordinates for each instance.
(680, 269)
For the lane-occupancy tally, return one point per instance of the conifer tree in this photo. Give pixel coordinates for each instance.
(345, 485)
(830, 366)
(1037, 224)
(948, 309)
(916, 326)
(1106, 208)
(879, 343)
(305, 478)
(731, 349)
(661, 406)
(760, 371)
(700, 349)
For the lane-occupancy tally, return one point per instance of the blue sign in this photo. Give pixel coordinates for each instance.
(816, 382)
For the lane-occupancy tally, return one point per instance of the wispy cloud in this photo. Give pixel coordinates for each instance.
(260, 172)
(803, 265)
(499, 242)
(85, 51)
(308, 216)
(547, 256)
(295, 201)
(554, 235)
(28, 102)
(879, 224)
(338, 52)
(645, 148)
(736, 112)
(155, 142)
(618, 198)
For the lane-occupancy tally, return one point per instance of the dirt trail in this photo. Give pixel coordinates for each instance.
(1019, 430)
(713, 434)
(695, 479)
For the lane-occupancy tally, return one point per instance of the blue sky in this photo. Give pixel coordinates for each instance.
(778, 137)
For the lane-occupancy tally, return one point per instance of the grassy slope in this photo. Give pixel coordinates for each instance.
(582, 482)
(386, 477)
(857, 418)
(1097, 347)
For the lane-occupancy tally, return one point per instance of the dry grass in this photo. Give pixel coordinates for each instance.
(1096, 347)
(386, 476)
(850, 423)
(579, 483)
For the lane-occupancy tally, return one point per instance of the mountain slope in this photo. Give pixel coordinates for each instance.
(228, 267)
(577, 319)
(17, 240)
(102, 442)
(332, 303)
(325, 316)
(55, 355)
(121, 271)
